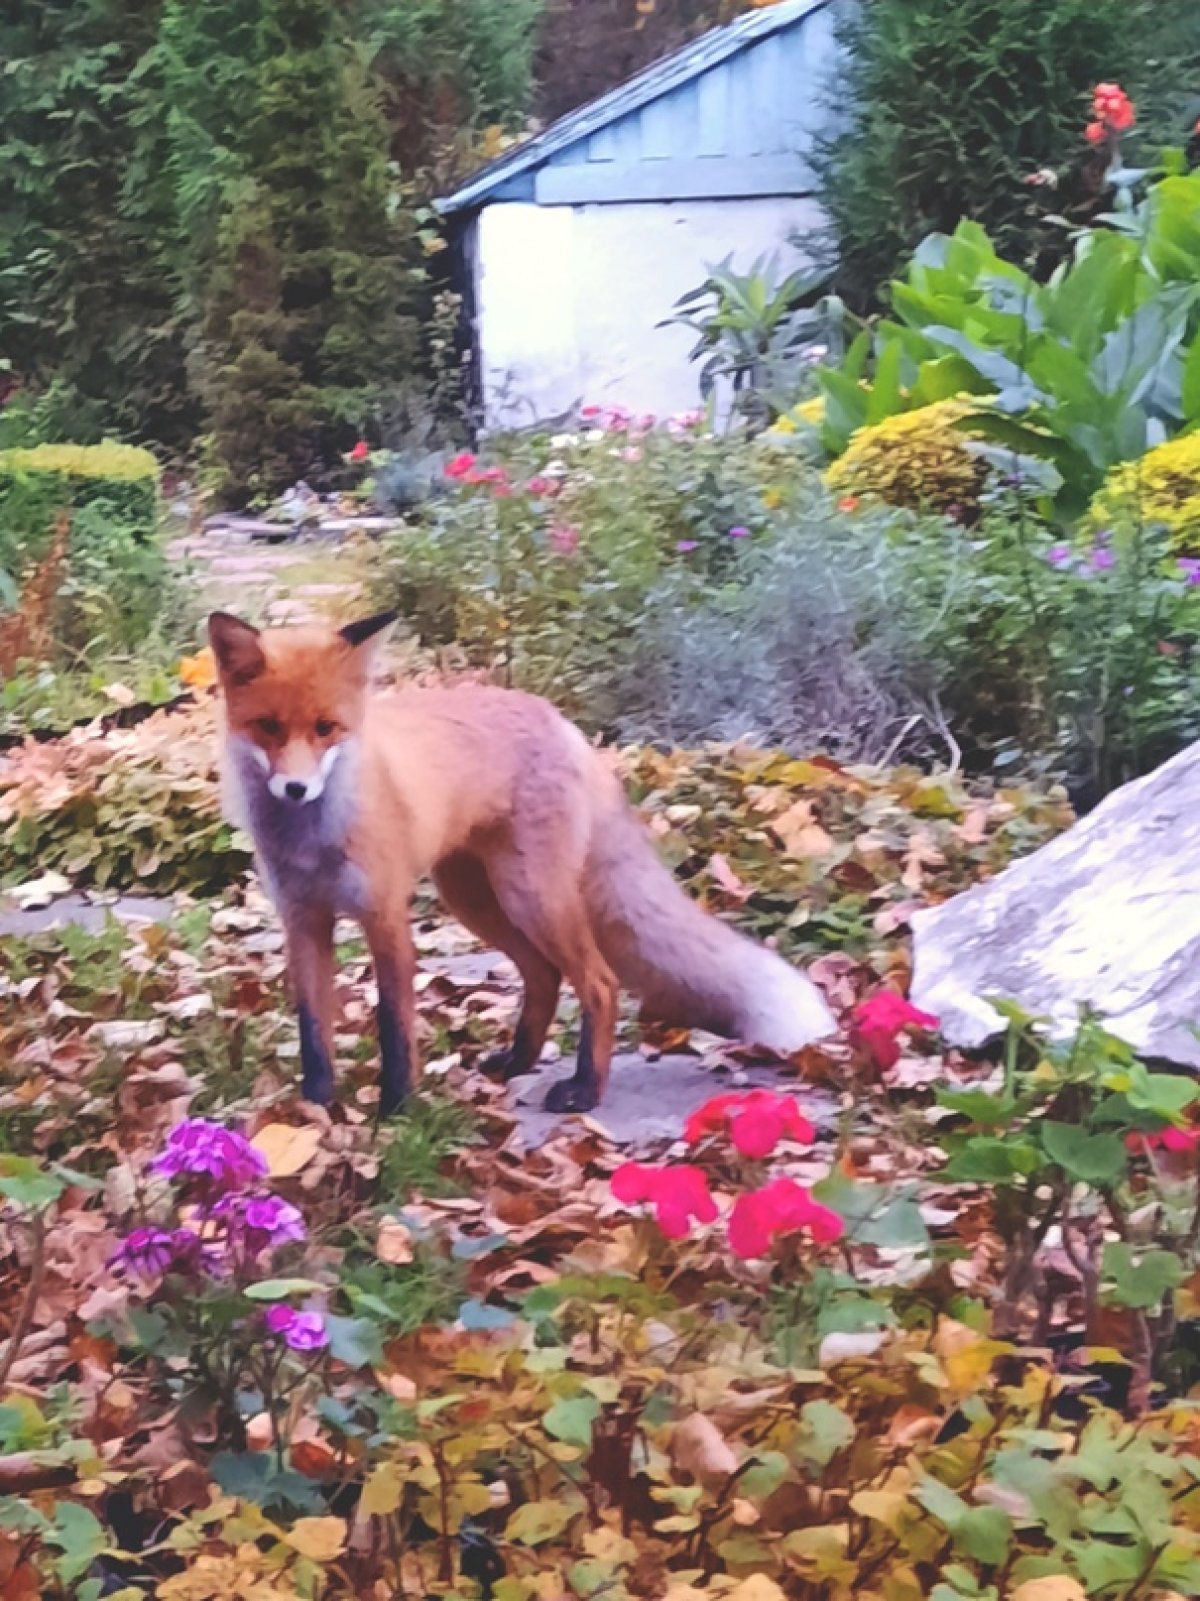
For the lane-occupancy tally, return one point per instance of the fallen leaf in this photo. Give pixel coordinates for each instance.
(698, 1447)
(318, 1539)
(287, 1147)
(394, 1242)
(1054, 1587)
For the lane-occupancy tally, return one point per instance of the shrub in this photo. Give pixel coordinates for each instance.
(122, 478)
(111, 581)
(955, 104)
(1163, 486)
(919, 459)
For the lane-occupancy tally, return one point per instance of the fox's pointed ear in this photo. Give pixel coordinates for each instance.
(237, 647)
(356, 634)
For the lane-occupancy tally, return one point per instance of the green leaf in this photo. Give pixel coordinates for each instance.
(539, 1521)
(80, 1537)
(571, 1421)
(826, 1431)
(990, 1159)
(280, 1289)
(256, 1476)
(1141, 1279)
(985, 1533)
(1095, 1159)
(354, 1340)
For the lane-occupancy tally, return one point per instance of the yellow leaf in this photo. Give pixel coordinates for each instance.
(539, 1521)
(198, 671)
(610, 1545)
(882, 1506)
(287, 1147)
(318, 1539)
(966, 1357)
(799, 832)
(382, 1491)
(1055, 1587)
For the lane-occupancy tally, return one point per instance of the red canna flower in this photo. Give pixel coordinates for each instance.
(878, 1021)
(1114, 110)
(756, 1119)
(677, 1194)
(781, 1207)
(1095, 133)
(459, 466)
(361, 451)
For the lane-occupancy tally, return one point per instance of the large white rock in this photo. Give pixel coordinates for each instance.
(1108, 914)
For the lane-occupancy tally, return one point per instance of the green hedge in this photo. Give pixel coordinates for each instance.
(120, 480)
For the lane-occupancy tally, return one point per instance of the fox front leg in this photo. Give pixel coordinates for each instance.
(390, 940)
(310, 959)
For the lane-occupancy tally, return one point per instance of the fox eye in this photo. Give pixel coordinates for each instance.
(270, 726)
(325, 727)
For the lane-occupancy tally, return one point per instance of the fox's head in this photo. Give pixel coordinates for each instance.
(294, 697)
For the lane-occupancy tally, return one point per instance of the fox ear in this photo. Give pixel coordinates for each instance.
(356, 634)
(236, 646)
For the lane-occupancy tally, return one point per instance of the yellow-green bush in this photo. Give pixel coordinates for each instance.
(808, 414)
(118, 463)
(1163, 486)
(918, 459)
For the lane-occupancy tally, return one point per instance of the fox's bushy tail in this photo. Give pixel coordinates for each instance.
(687, 967)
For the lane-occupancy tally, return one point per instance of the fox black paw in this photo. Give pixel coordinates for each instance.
(568, 1096)
(392, 1099)
(505, 1065)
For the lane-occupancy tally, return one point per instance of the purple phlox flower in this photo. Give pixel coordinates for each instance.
(684, 545)
(216, 1156)
(303, 1331)
(151, 1252)
(1058, 555)
(739, 532)
(1189, 567)
(1102, 560)
(261, 1221)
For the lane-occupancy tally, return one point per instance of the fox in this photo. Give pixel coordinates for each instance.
(352, 795)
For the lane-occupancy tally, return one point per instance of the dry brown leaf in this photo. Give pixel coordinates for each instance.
(287, 1147)
(394, 1242)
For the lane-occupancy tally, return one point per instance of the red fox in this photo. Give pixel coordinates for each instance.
(352, 796)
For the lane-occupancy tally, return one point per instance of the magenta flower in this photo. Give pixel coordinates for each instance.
(564, 538)
(216, 1157)
(303, 1331)
(684, 545)
(1059, 555)
(739, 532)
(1102, 560)
(260, 1222)
(1189, 567)
(151, 1252)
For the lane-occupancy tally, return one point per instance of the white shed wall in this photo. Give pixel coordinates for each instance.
(567, 297)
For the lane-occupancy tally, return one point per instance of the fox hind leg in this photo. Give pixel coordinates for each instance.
(466, 889)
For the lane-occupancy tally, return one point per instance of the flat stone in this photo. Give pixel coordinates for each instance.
(83, 913)
(649, 1101)
(1106, 915)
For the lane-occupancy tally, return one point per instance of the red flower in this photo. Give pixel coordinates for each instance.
(1095, 133)
(848, 503)
(459, 466)
(756, 1119)
(879, 1020)
(677, 1194)
(781, 1207)
(361, 451)
(540, 486)
(1167, 1139)
(590, 413)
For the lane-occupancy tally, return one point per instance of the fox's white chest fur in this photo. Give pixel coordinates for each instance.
(301, 849)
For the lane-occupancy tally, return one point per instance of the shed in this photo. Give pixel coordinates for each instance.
(576, 244)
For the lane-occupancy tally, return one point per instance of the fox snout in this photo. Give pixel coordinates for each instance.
(298, 777)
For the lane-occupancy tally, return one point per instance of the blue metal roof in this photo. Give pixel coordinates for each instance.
(663, 135)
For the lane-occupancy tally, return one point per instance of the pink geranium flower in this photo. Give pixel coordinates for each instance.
(756, 1121)
(677, 1194)
(780, 1207)
(879, 1021)
(459, 466)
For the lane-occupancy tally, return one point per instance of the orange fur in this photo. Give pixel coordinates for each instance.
(524, 828)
